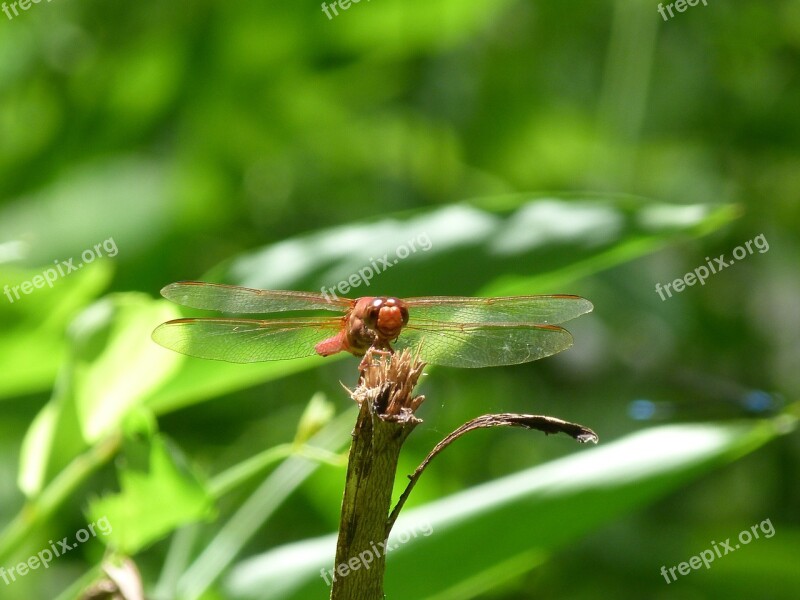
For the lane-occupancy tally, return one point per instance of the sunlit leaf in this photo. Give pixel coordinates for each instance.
(112, 365)
(529, 514)
(151, 503)
(32, 337)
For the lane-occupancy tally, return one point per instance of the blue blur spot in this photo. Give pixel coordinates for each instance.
(641, 410)
(758, 401)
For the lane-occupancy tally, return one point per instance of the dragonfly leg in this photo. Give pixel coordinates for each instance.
(373, 356)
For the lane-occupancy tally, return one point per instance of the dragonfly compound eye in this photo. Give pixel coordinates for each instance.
(392, 317)
(373, 312)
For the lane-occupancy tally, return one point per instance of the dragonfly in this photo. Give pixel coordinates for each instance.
(450, 331)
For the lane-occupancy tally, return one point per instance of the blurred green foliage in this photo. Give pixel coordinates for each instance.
(264, 144)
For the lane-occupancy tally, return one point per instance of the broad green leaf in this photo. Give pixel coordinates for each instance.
(111, 367)
(151, 503)
(475, 243)
(32, 336)
(200, 379)
(116, 364)
(515, 521)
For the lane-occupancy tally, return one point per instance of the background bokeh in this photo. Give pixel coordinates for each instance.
(582, 147)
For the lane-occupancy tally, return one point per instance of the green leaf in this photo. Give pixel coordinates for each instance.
(152, 503)
(199, 379)
(527, 236)
(36, 449)
(32, 339)
(317, 414)
(515, 521)
(116, 363)
(111, 368)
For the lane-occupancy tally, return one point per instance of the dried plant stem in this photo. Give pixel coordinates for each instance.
(385, 420)
(367, 500)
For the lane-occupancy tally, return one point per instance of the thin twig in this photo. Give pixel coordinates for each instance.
(542, 423)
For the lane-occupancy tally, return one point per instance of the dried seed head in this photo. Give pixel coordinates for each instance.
(388, 381)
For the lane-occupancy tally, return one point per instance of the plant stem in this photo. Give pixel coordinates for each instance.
(360, 561)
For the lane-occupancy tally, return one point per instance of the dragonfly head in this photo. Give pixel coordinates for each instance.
(375, 322)
(387, 316)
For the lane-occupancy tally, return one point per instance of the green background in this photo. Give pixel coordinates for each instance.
(588, 147)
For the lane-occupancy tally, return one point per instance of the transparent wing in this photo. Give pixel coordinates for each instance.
(234, 299)
(469, 345)
(536, 310)
(245, 340)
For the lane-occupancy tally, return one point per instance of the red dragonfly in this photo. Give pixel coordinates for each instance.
(448, 330)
